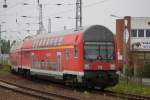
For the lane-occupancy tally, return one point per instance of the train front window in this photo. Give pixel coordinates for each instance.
(91, 52)
(99, 51)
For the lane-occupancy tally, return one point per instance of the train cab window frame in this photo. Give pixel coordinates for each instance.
(75, 52)
(134, 33)
(147, 32)
(141, 33)
(102, 51)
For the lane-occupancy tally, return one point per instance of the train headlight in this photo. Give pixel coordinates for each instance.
(112, 67)
(86, 66)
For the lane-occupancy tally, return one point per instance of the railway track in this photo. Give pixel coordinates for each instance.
(51, 96)
(127, 96)
(123, 96)
(34, 92)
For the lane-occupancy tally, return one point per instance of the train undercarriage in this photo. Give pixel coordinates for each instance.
(91, 79)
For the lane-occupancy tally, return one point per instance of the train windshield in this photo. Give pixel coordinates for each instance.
(99, 51)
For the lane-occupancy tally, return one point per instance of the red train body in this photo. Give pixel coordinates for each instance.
(87, 56)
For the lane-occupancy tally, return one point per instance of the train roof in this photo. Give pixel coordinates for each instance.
(97, 32)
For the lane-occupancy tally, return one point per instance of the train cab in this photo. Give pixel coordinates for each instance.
(100, 59)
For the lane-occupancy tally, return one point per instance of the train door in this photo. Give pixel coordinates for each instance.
(59, 61)
(33, 60)
(19, 58)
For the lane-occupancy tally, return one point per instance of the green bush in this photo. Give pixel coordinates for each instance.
(131, 88)
(130, 71)
(4, 69)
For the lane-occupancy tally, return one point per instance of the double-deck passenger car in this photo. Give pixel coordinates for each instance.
(87, 56)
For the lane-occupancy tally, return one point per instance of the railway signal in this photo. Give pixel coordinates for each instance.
(5, 5)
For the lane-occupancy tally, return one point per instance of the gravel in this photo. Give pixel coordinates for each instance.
(46, 87)
(10, 95)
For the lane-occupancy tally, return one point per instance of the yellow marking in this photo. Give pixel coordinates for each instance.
(61, 47)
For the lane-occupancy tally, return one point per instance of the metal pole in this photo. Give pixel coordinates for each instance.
(124, 46)
(65, 27)
(49, 25)
(40, 18)
(0, 40)
(78, 14)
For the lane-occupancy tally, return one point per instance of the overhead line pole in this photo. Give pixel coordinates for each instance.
(41, 26)
(78, 14)
(49, 25)
(40, 18)
(0, 39)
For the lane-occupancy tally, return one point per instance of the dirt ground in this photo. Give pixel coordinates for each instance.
(9, 95)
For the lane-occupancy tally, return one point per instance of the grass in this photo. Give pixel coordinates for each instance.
(131, 88)
(4, 69)
(122, 86)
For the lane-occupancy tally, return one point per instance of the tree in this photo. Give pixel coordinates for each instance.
(5, 46)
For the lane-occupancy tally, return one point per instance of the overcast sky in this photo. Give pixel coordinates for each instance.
(94, 12)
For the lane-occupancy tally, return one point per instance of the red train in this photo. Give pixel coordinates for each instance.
(86, 56)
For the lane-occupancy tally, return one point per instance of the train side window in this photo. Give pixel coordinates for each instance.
(44, 43)
(67, 54)
(40, 43)
(36, 44)
(75, 51)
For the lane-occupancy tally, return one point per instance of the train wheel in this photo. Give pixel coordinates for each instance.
(70, 81)
(12, 70)
(28, 74)
(103, 88)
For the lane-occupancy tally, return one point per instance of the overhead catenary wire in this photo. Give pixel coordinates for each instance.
(63, 12)
(84, 6)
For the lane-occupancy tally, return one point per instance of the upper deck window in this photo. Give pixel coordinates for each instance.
(134, 33)
(46, 42)
(140, 33)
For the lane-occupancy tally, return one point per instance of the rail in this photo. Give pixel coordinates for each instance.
(50, 96)
(34, 92)
(122, 95)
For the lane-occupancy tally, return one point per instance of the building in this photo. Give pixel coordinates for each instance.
(135, 52)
